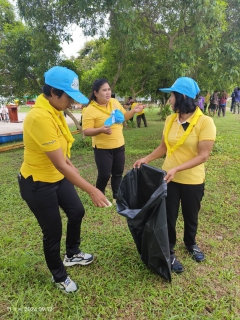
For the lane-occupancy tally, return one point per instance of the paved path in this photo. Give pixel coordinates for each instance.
(9, 127)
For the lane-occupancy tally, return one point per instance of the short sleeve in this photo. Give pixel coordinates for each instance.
(208, 129)
(45, 133)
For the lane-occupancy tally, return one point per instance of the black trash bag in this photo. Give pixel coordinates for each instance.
(141, 199)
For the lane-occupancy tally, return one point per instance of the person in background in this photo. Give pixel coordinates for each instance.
(232, 101)
(128, 103)
(236, 100)
(201, 103)
(107, 141)
(140, 115)
(222, 103)
(206, 102)
(5, 113)
(188, 138)
(47, 176)
(1, 115)
(213, 103)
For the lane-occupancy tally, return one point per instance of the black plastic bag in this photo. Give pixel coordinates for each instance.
(141, 199)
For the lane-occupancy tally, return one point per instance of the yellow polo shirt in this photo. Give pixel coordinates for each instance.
(95, 118)
(134, 105)
(41, 134)
(203, 130)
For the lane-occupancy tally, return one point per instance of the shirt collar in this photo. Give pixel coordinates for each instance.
(188, 120)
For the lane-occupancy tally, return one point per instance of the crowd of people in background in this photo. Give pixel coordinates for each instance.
(216, 102)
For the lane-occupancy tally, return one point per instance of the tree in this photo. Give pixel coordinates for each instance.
(191, 37)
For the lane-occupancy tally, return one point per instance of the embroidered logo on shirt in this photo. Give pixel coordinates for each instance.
(75, 84)
(47, 143)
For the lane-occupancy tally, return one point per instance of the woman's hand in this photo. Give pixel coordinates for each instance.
(106, 130)
(170, 175)
(138, 108)
(98, 198)
(139, 162)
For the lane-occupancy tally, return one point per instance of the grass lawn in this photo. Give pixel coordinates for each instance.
(24, 108)
(118, 285)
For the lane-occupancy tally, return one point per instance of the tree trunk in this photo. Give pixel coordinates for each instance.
(77, 124)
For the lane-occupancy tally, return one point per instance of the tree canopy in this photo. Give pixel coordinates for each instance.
(142, 45)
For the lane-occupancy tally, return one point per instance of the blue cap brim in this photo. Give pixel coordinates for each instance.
(77, 96)
(167, 90)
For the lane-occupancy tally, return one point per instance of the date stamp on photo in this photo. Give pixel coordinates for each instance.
(29, 309)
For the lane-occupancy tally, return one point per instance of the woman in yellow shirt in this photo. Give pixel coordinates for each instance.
(107, 140)
(187, 141)
(47, 176)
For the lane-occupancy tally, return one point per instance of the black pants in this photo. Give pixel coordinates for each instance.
(190, 197)
(142, 116)
(110, 162)
(44, 200)
(223, 109)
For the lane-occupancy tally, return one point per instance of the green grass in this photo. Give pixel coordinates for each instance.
(118, 285)
(24, 108)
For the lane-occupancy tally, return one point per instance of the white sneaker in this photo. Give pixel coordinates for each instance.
(67, 286)
(79, 258)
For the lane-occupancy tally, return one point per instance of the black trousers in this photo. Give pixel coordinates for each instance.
(190, 197)
(142, 116)
(110, 162)
(223, 109)
(44, 200)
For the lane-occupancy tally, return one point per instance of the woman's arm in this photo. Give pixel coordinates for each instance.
(204, 149)
(95, 131)
(129, 114)
(69, 172)
(157, 153)
(71, 164)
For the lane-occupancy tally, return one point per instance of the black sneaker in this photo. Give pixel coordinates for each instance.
(196, 253)
(176, 266)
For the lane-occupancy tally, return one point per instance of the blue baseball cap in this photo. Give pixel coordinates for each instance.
(184, 85)
(67, 80)
(115, 117)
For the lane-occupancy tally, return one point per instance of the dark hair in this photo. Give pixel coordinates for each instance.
(113, 95)
(183, 103)
(46, 89)
(96, 87)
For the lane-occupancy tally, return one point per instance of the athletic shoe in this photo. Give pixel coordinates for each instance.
(196, 253)
(176, 266)
(67, 286)
(79, 258)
